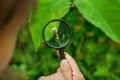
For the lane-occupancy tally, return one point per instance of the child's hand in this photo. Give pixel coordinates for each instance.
(68, 70)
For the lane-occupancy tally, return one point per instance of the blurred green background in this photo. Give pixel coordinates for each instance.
(96, 54)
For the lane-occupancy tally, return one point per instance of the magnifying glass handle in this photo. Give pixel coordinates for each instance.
(62, 55)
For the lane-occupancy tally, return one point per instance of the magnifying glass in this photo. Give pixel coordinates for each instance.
(57, 34)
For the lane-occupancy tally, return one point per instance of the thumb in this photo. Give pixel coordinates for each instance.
(77, 75)
(65, 69)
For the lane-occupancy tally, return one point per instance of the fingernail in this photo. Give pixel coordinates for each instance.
(64, 62)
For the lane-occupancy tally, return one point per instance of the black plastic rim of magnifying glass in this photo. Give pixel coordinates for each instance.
(67, 25)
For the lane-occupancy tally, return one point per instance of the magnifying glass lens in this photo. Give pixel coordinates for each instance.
(57, 34)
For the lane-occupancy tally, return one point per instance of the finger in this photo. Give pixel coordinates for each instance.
(42, 78)
(55, 76)
(72, 62)
(58, 70)
(74, 67)
(65, 69)
(77, 75)
(51, 77)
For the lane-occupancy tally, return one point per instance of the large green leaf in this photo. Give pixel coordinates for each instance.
(104, 14)
(47, 10)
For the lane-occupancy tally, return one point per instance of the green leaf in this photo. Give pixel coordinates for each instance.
(46, 10)
(101, 71)
(104, 14)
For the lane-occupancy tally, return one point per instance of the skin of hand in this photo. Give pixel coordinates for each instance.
(68, 70)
